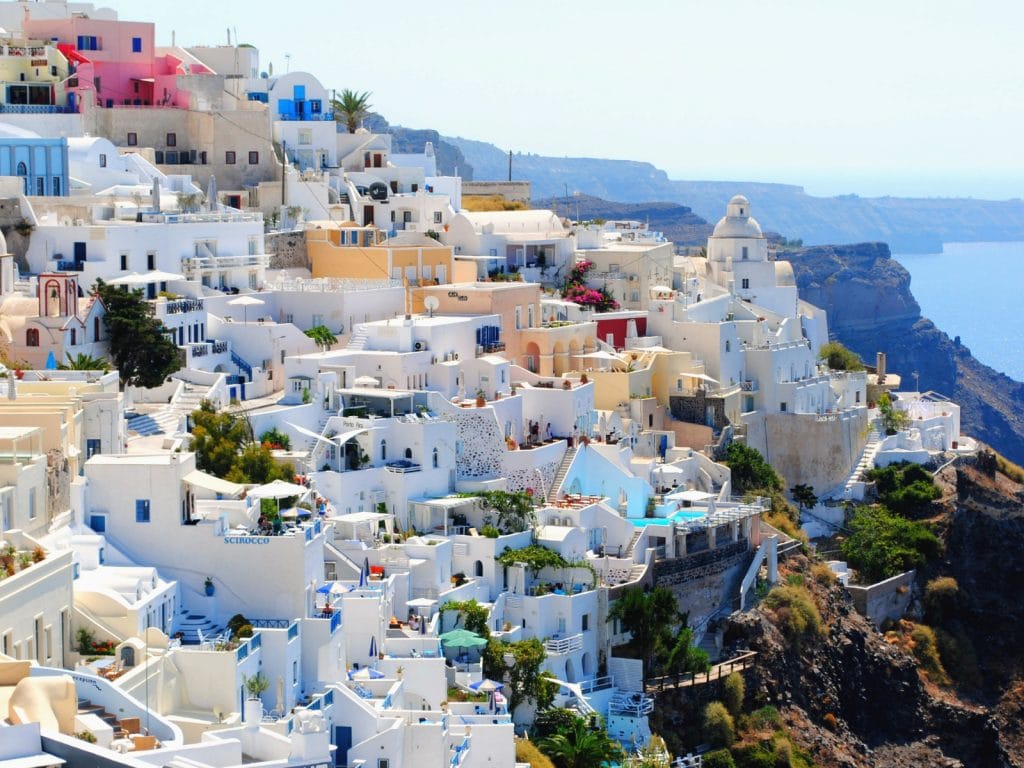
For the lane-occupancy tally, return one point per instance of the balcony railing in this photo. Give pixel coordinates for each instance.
(214, 263)
(219, 347)
(35, 109)
(182, 306)
(750, 385)
(404, 466)
(631, 704)
(70, 266)
(562, 645)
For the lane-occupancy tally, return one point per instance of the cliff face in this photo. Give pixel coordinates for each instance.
(871, 309)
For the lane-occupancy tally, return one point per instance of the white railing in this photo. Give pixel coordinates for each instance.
(200, 263)
(562, 645)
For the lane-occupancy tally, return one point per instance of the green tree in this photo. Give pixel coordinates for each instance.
(581, 747)
(750, 472)
(893, 419)
(839, 358)
(904, 488)
(685, 657)
(650, 617)
(83, 362)
(140, 345)
(322, 335)
(883, 544)
(804, 496)
(514, 509)
(255, 465)
(216, 439)
(351, 107)
(472, 614)
(524, 680)
(719, 758)
(274, 436)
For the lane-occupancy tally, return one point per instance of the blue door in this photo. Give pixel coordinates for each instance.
(343, 741)
(98, 523)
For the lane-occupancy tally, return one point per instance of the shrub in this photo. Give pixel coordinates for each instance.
(245, 630)
(904, 488)
(719, 727)
(959, 658)
(84, 641)
(941, 599)
(926, 651)
(822, 574)
(527, 752)
(490, 531)
(884, 544)
(831, 721)
(794, 612)
(754, 756)
(733, 692)
(839, 358)
(750, 471)
(765, 718)
(236, 622)
(720, 758)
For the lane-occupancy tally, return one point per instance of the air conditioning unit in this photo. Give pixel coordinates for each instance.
(419, 346)
(633, 278)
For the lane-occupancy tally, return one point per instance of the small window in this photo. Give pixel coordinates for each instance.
(124, 262)
(229, 158)
(437, 217)
(585, 624)
(103, 161)
(142, 510)
(56, 186)
(415, 187)
(32, 337)
(158, 157)
(133, 139)
(746, 283)
(254, 158)
(40, 186)
(136, 45)
(728, 345)
(746, 253)
(782, 407)
(150, 261)
(172, 140)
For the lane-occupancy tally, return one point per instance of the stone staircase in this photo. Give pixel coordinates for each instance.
(632, 543)
(169, 419)
(563, 470)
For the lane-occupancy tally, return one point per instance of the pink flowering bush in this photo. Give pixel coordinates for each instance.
(578, 292)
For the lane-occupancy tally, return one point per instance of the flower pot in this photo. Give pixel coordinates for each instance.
(209, 589)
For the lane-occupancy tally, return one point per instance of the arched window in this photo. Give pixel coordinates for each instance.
(32, 337)
(435, 458)
(22, 169)
(408, 453)
(383, 450)
(74, 337)
(95, 329)
(728, 345)
(478, 568)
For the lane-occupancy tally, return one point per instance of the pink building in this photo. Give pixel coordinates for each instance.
(115, 62)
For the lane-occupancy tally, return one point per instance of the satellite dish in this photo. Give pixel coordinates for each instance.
(431, 303)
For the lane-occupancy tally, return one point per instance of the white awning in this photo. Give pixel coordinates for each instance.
(211, 483)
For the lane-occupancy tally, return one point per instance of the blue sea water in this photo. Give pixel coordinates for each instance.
(973, 290)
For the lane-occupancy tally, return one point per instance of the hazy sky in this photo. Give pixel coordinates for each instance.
(870, 97)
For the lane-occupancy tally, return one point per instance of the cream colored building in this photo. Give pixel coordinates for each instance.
(353, 252)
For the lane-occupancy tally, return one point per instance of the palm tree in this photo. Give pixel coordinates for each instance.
(83, 362)
(351, 107)
(581, 747)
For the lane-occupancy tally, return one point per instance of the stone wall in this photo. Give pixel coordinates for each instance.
(887, 599)
(682, 570)
(287, 250)
(693, 409)
(483, 443)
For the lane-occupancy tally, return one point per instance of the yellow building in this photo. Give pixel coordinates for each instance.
(32, 74)
(362, 253)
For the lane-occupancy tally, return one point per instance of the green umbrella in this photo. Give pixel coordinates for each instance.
(463, 638)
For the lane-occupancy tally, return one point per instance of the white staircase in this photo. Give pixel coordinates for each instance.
(563, 470)
(358, 339)
(865, 462)
(169, 419)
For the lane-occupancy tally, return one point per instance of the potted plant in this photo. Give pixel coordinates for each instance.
(256, 685)
(481, 398)
(583, 378)
(208, 586)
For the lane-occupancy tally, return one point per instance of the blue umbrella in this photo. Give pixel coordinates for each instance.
(373, 645)
(51, 362)
(362, 578)
(324, 589)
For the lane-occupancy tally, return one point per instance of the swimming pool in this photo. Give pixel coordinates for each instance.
(679, 516)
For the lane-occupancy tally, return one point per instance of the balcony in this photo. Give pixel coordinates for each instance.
(70, 266)
(183, 306)
(557, 645)
(402, 466)
(750, 385)
(630, 705)
(35, 109)
(198, 265)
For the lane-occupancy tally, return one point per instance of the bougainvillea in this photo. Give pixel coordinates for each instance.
(578, 292)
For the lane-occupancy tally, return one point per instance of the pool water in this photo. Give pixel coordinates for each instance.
(681, 515)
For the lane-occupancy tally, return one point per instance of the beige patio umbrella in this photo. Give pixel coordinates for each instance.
(245, 302)
(280, 693)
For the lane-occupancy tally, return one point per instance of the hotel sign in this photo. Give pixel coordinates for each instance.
(246, 539)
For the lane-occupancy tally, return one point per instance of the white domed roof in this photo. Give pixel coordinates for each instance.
(737, 221)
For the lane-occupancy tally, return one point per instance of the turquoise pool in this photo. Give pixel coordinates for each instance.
(680, 516)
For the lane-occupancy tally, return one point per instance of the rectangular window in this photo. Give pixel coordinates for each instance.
(136, 45)
(415, 187)
(124, 262)
(585, 624)
(254, 158)
(746, 253)
(172, 140)
(437, 217)
(519, 318)
(158, 156)
(229, 158)
(56, 186)
(103, 161)
(133, 139)
(151, 261)
(40, 186)
(31, 503)
(746, 283)
(782, 407)
(142, 510)
(97, 82)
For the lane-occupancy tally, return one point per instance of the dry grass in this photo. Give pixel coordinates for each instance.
(527, 752)
(481, 203)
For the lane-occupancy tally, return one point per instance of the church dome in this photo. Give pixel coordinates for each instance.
(737, 221)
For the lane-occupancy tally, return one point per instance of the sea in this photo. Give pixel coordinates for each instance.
(973, 290)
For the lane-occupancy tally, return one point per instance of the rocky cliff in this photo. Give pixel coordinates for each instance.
(871, 309)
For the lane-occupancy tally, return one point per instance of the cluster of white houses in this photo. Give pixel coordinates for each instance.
(457, 369)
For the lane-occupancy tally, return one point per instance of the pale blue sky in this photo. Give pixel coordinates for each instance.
(869, 97)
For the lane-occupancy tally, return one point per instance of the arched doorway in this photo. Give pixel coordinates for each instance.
(478, 568)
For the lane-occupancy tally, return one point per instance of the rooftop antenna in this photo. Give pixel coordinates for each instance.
(510, 165)
(287, 63)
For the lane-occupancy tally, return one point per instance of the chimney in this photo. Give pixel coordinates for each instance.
(880, 366)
